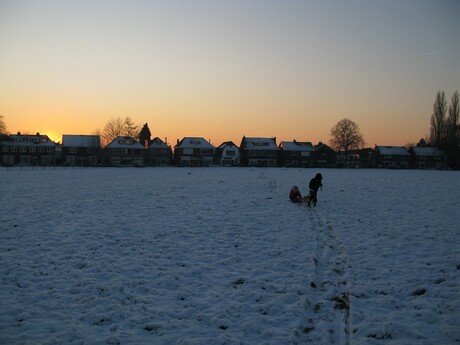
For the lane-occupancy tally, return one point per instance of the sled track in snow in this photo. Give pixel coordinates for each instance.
(329, 305)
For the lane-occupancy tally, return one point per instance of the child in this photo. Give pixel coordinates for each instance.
(295, 195)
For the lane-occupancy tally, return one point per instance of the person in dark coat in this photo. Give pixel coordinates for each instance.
(314, 185)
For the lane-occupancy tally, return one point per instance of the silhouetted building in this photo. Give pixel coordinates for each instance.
(193, 151)
(28, 150)
(81, 150)
(260, 152)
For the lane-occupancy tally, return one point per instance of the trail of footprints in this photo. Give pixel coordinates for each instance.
(329, 303)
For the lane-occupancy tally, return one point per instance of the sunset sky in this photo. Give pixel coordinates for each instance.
(224, 69)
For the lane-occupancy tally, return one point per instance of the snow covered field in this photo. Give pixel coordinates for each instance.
(220, 256)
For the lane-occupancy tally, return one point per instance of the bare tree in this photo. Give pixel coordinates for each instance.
(2, 125)
(130, 128)
(346, 136)
(438, 120)
(112, 129)
(120, 127)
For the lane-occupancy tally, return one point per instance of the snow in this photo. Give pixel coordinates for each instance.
(220, 255)
(193, 143)
(80, 140)
(259, 143)
(393, 150)
(297, 146)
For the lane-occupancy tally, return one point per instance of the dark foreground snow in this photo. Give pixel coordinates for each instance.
(200, 256)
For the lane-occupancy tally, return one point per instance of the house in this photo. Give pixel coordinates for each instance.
(28, 150)
(365, 157)
(361, 158)
(260, 152)
(297, 154)
(227, 154)
(124, 151)
(159, 152)
(194, 152)
(81, 150)
(325, 156)
(427, 158)
(396, 157)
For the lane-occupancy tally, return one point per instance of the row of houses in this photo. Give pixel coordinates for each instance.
(86, 150)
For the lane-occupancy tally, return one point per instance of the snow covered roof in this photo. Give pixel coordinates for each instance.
(80, 140)
(297, 146)
(29, 140)
(125, 143)
(37, 138)
(158, 144)
(393, 150)
(427, 151)
(260, 143)
(194, 143)
(227, 143)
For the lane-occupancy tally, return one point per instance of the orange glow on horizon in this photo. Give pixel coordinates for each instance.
(288, 71)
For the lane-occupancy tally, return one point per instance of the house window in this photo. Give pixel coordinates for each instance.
(70, 160)
(205, 152)
(387, 156)
(8, 159)
(92, 160)
(41, 149)
(24, 160)
(14, 149)
(124, 151)
(49, 149)
(305, 154)
(23, 149)
(126, 141)
(46, 160)
(5, 149)
(230, 152)
(32, 149)
(187, 151)
(72, 150)
(115, 151)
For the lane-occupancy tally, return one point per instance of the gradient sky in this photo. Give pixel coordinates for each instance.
(224, 69)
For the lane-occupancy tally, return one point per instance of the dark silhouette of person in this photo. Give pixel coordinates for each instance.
(314, 185)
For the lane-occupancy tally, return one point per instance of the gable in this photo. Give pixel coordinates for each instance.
(157, 143)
